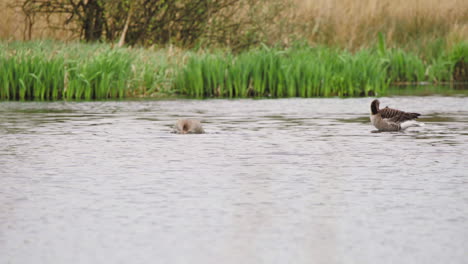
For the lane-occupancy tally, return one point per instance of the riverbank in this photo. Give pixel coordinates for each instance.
(74, 71)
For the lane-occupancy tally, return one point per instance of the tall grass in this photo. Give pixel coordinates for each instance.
(303, 72)
(26, 77)
(38, 76)
(51, 71)
(310, 71)
(74, 71)
(353, 24)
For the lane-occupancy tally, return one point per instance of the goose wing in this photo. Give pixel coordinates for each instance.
(395, 115)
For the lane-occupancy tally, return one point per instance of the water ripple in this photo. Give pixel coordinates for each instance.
(272, 181)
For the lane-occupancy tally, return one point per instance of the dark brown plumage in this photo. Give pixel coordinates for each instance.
(396, 115)
(389, 119)
(393, 114)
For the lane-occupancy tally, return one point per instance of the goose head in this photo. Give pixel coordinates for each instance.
(188, 126)
(185, 128)
(375, 106)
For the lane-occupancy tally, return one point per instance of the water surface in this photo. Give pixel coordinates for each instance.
(273, 181)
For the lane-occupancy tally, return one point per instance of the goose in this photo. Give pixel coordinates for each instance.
(388, 119)
(188, 126)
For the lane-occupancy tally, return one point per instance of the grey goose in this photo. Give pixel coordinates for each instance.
(389, 119)
(188, 126)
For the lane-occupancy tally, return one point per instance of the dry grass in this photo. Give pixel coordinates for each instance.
(355, 23)
(11, 22)
(13, 25)
(347, 23)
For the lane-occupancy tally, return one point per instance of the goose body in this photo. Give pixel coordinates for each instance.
(188, 126)
(388, 119)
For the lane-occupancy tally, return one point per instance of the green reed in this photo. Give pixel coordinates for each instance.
(104, 76)
(52, 71)
(74, 71)
(27, 76)
(303, 72)
(311, 71)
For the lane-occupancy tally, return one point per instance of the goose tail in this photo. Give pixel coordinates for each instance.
(411, 123)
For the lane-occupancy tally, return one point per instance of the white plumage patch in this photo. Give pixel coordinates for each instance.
(410, 123)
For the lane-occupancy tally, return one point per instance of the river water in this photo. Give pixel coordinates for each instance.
(272, 181)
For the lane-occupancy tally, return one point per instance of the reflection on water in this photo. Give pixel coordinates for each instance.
(457, 89)
(272, 181)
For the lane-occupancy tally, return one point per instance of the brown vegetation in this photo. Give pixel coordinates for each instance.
(242, 23)
(352, 23)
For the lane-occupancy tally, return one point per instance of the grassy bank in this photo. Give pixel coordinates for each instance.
(52, 71)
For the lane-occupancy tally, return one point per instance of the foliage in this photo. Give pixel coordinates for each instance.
(308, 71)
(74, 71)
(185, 23)
(51, 71)
(423, 29)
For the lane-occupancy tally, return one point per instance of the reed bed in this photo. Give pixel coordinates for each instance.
(305, 71)
(52, 71)
(74, 71)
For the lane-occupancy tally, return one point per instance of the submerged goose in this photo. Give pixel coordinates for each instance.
(389, 119)
(188, 126)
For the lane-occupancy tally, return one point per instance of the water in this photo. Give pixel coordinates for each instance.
(273, 181)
